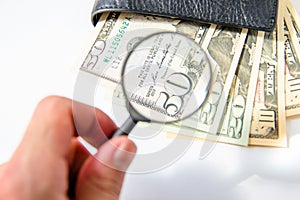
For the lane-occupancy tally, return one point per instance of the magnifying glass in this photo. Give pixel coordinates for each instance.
(165, 79)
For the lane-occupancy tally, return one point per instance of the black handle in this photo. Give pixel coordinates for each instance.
(125, 129)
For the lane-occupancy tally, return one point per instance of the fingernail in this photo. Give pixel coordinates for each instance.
(117, 154)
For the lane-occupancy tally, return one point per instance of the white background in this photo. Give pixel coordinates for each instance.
(42, 41)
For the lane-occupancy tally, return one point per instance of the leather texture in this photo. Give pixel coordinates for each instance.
(253, 14)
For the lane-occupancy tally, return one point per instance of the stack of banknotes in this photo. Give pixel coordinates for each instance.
(255, 74)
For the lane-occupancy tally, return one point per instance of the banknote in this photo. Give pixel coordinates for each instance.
(294, 17)
(292, 75)
(235, 125)
(225, 48)
(120, 32)
(237, 119)
(197, 31)
(223, 73)
(268, 126)
(291, 20)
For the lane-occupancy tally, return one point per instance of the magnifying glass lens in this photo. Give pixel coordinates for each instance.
(166, 77)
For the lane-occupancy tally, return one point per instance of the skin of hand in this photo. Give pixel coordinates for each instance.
(50, 163)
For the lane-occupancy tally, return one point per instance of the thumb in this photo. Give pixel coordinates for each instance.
(101, 176)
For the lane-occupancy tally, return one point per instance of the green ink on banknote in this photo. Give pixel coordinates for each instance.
(117, 40)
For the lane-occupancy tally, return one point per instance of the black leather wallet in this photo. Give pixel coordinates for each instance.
(253, 14)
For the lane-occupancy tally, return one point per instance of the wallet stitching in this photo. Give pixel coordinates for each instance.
(187, 16)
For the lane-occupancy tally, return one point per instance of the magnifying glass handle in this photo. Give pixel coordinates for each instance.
(125, 129)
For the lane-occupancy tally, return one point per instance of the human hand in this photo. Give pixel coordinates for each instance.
(50, 163)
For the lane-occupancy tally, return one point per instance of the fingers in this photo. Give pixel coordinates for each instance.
(101, 176)
(52, 126)
(92, 125)
(44, 153)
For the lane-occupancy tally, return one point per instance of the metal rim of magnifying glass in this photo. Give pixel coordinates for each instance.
(207, 86)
